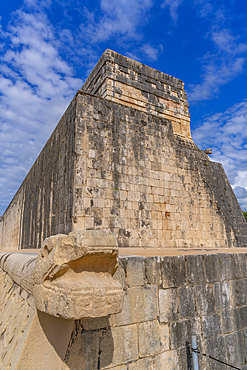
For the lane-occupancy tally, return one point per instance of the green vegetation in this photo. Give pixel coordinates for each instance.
(245, 215)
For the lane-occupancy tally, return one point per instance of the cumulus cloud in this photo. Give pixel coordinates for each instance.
(36, 85)
(226, 133)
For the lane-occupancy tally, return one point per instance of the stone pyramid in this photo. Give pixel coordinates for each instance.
(122, 159)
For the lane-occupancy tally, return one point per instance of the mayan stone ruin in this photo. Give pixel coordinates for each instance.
(124, 238)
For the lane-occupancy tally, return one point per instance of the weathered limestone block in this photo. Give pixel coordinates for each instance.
(144, 364)
(167, 361)
(135, 269)
(153, 338)
(211, 325)
(238, 288)
(227, 321)
(222, 296)
(212, 267)
(195, 269)
(186, 302)
(239, 266)
(243, 315)
(226, 266)
(180, 331)
(152, 270)
(205, 299)
(216, 347)
(120, 276)
(235, 348)
(119, 346)
(168, 305)
(71, 276)
(45, 343)
(173, 271)
(96, 323)
(140, 304)
(85, 351)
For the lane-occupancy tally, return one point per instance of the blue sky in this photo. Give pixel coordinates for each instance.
(48, 48)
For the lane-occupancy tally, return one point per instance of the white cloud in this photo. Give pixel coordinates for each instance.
(38, 4)
(120, 18)
(241, 192)
(150, 52)
(226, 133)
(206, 9)
(229, 54)
(226, 42)
(36, 85)
(220, 67)
(240, 188)
(146, 52)
(173, 6)
(240, 180)
(214, 77)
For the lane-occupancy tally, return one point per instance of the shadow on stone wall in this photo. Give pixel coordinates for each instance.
(91, 345)
(57, 332)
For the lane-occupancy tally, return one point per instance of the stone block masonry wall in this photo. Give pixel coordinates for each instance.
(225, 198)
(16, 313)
(125, 81)
(29, 339)
(11, 222)
(43, 205)
(109, 166)
(166, 300)
(147, 185)
(215, 179)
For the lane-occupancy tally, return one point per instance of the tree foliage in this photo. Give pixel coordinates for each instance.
(245, 215)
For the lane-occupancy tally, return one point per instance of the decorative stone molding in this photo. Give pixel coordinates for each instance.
(71, 277)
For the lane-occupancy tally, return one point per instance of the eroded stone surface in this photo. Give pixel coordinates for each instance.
(71, 276)
(126, 168)
(125, 81)
(29, 339)
(149, 334)
(123, 160)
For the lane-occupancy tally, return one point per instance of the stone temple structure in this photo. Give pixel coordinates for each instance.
(124, 238)
(122, 159)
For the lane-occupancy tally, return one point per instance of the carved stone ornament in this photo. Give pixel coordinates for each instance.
(72, 275)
